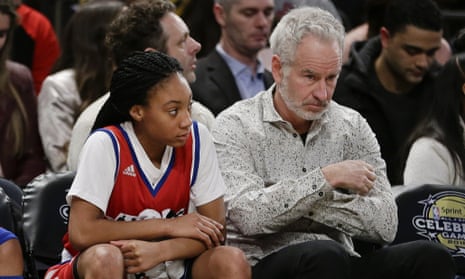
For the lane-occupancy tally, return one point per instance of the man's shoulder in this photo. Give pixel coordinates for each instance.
(340, 111)
(246, 108)
(356, 78)
(212, 66)
(212, 59)
(363, 57)
(202, 114)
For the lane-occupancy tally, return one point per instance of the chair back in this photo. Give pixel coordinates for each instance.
(45, 217)
(435, 213)
(12, 190)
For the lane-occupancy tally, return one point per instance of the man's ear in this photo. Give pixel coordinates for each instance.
(385, 36)
(136, 112)
(219, 13)
(276, 68)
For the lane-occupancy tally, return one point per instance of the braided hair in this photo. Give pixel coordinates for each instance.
(131, 82)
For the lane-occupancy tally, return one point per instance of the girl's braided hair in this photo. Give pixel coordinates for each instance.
(132, 81)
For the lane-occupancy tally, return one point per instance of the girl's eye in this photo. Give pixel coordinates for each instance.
(173, 112)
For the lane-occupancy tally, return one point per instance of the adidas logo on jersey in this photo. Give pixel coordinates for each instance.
(130, 171)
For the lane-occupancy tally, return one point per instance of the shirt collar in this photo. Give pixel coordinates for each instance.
(235, 65)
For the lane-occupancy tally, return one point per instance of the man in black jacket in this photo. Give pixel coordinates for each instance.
(232, 71)
(388, 77)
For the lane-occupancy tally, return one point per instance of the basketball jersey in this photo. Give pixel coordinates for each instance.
(134, 197)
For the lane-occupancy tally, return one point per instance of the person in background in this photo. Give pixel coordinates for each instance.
(389, 79)
(232, 71)
(35, 43)
(436, 149)
(144, 25)
(374, 10)
(82, 75)
(304, 175)
(134, 216)
(11, 256)
(21, 154)
(201, 22)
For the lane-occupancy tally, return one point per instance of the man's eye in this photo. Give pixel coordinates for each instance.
(269, 12)
(310, 77)
(249, 13)
(331, 78)
(412, 51)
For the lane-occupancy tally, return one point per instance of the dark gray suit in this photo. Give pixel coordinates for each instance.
(215, 86)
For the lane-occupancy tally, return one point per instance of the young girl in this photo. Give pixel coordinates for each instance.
(139, 171)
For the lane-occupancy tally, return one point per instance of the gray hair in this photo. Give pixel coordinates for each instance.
(299, 23)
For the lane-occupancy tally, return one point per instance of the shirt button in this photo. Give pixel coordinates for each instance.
(320, 194)
(310, 213)
(314, 187)
(286, 205)
(304, 169)
(295, 135)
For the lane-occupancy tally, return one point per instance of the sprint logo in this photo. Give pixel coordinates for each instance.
(130, 171)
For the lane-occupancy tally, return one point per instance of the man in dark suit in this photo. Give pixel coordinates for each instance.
(232, 71)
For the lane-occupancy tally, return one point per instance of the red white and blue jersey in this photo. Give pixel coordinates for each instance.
(134, 197)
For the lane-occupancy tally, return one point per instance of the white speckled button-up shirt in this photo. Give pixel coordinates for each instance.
(276, 192)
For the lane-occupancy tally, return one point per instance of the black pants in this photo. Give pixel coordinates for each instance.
(328, 259)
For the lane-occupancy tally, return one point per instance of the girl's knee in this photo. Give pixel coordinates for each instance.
(231, 259)
(106, 254)
(100, 260)
(228, 262)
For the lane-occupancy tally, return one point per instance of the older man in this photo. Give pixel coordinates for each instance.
(304, 175)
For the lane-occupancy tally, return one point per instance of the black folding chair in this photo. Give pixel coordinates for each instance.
(45, 219)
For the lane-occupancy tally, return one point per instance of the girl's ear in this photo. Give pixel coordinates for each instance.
(136, 112)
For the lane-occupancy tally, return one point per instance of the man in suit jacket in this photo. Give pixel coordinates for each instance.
(232, 71)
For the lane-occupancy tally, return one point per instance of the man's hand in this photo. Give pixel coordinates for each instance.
(354, 175)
